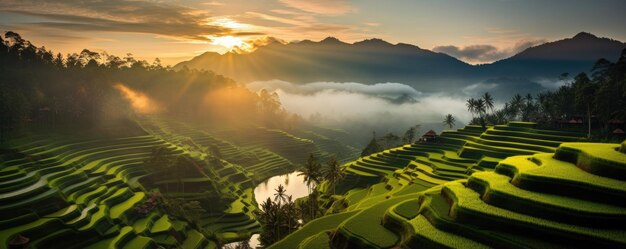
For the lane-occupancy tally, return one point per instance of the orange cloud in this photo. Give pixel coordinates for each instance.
(322, 7)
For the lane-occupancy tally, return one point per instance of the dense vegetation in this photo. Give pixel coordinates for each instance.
(597, 100)
(82, 90)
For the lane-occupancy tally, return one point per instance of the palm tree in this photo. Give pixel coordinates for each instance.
(312, 175)
(333, 172)
(280, 196)
(481, 110)
(516, 104)
(488, 101)
(471, 106)
(449, 120)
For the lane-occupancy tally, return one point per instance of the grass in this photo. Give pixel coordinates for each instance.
(311, 229)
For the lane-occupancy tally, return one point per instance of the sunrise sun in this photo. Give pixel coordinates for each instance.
(231, 43)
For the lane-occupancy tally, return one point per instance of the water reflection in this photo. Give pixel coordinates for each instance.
(292, 183)
(294, 186)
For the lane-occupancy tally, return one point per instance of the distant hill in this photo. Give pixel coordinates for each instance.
(375, 60)
(368, 61)
(572, 55)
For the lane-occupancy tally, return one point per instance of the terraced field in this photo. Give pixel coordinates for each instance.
(510, 186)
(455, 155)
(81, 192)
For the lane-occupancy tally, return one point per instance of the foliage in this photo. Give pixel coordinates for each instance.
(409, 135)
(46, 90)
(312, 176)
(333, 172)
(449, 120)
(278, 219)
(372, 147)
(190, 211)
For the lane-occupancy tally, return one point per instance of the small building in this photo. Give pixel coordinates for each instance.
(19, 242)
(619, 133)
(430, 136)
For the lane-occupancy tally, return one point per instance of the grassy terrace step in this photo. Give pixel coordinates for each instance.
(543, 173)
(496, 190)
(599, 159)
(124, 236)
(310, 229)
(531, 134)
(140, 242)
(364, 229)
(467, 207)
(194, 240)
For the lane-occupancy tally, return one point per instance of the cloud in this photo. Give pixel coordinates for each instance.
(322, 7)
(383, 90)
(503, 88)
(361, 108)
(151, 17)
(484, 53)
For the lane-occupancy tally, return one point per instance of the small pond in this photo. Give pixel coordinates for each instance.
(292, 182)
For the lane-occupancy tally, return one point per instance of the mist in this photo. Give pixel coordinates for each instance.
(360, 108)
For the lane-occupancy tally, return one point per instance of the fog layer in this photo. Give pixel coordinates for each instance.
(361, 108)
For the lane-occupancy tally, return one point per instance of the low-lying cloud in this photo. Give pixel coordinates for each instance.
(381, 90)
(362, 108)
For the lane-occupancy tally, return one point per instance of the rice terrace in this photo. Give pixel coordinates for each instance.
(312, 124)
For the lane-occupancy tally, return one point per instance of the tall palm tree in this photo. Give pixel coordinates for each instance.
(312, 175)
(449, 120)
(488, 101)
(481, 110)
(280, 196)
(516, 104)
(333, 172)
(471, 106)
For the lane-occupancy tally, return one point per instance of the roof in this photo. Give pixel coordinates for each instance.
(616, 121)
(618, 131)
(19, 240)
(430, 133)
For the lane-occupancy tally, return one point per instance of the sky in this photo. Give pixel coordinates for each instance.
(475, 31)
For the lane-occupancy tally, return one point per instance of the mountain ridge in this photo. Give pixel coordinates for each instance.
(375, 60)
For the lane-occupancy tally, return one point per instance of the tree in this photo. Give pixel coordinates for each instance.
(481, 109)
(333, 172)
(409, 135)
(471, 106)
(372, 147)
(449, 121)
(390, 139)
(584, 94)
(312, 175)
(280, 196)
(488, 101)
(516, 104)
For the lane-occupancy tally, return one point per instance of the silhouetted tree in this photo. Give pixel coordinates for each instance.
(333, 172)
(372, 147)
(449, 121)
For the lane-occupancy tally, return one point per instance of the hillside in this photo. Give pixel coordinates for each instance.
(91, 191)
(567, 195)
(572, 55)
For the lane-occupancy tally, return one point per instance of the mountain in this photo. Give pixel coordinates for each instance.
(572, 55)
(375, 60)
(368, 61)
